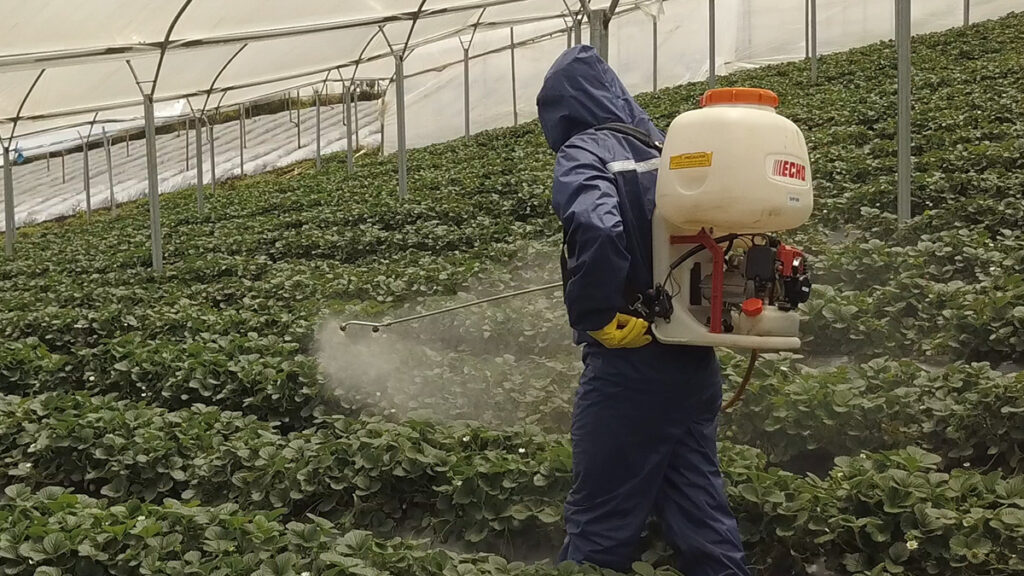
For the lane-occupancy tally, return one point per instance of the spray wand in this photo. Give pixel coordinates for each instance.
(376, 327)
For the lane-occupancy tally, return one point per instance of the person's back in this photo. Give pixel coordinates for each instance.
(644, 421)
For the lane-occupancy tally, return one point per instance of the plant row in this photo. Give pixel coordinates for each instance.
(471, 484)
(54, 532)
(969, 413)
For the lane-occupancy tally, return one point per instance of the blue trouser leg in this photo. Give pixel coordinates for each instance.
(619, 458)
(693, 508)
(643, 436)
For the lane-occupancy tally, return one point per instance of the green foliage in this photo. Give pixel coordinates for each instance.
(54, 531)
(470, 484)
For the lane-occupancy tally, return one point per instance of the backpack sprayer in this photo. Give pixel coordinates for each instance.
(732, 173)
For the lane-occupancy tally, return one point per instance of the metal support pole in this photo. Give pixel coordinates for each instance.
(154, 185)
(242, 129)
(8, 204)
(654, 49)
(213, 163)
(465, 85)
(127, 145)
(353, 97)
(807, 29)
(814, 41)
(199, 165)
(568, 38)
(110, 168)
(599, 32)
(577, 29)
(47, 162)
(905, 171)
(711, 44)
(967, 12)
(63, 172)
(403, 182)
(241, 140)
(85, 179)
(298, 118)
(188, 147)
(350, 154)
(515, 97)
(316, 103)
(355, 116)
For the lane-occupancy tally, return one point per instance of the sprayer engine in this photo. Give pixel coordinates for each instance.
(766, 274)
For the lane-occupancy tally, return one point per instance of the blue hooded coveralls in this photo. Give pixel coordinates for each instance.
(645, 420)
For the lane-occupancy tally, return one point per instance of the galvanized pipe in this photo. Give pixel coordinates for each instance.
(711, 44)
(110, 167)
(298, 118)
(465, 85)
(213, 164)
(241, 140)
(807, 29)
(967, 12)
(515, 97)
(244, 128)
(904, 159)
(654, 46)
(199, 165)
(188, 146)
(154, 185)
(9, 232)
(85, 179)
(814, 41)
(63, 171)
(354, 99)
(316, 103)
(350, 154)
(403, 182)
(599, 32)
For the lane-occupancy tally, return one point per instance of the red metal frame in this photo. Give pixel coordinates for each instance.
(717, 273)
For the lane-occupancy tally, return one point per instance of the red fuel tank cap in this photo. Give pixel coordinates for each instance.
(753, 307)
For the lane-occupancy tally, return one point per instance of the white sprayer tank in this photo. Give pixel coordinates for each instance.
(735, 166)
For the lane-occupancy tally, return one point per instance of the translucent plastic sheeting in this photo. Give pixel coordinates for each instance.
(490, 84)
(748, 32)
(775, 31)
(435, 74)
(75, 55)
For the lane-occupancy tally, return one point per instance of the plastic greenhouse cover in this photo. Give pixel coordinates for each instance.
(219, 54)
(748, 33)
(63, 58)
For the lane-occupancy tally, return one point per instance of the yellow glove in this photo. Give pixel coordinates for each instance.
(623, 332)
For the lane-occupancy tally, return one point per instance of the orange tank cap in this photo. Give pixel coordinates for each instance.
(753, 307)
(755, 96)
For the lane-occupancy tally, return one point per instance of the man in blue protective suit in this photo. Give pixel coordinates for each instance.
(645, 418)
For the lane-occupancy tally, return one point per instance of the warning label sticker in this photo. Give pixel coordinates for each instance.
(691, 160)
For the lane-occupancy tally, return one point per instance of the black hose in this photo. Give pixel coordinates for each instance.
(738, 395)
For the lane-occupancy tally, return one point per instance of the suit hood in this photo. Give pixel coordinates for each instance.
(581, 92)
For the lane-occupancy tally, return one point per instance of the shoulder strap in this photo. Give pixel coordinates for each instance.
(632, 132)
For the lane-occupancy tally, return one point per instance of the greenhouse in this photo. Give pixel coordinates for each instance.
(299, 289)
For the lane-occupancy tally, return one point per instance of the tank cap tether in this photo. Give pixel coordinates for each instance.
(751, 96)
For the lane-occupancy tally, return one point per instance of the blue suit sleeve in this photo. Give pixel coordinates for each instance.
(585, 199)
